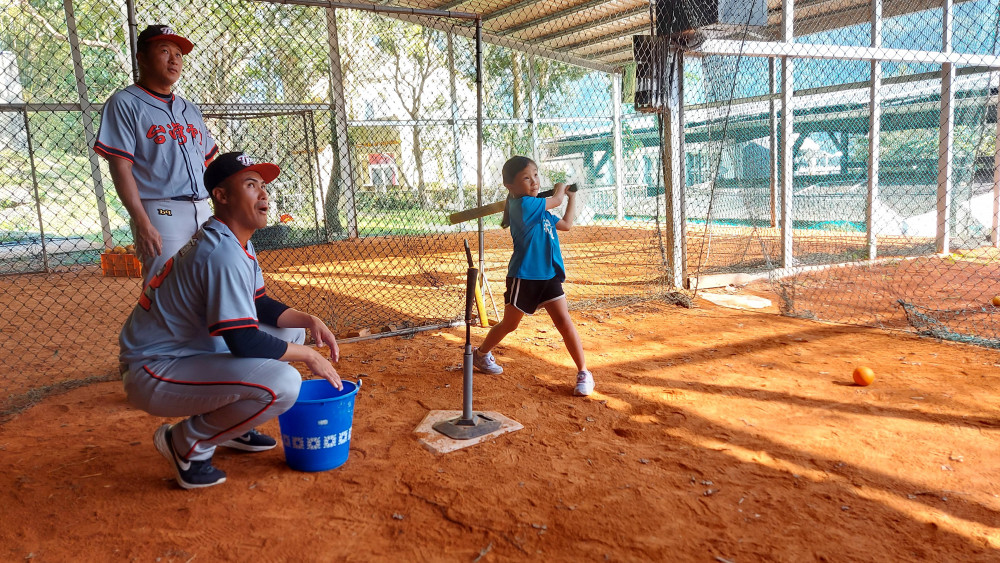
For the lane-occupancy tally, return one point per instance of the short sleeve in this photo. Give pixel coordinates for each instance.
(116, 137)
(211, 149)
(532, 210)
(229, 293)
(258, 274)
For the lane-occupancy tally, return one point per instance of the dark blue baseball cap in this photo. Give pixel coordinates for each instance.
(227, 164)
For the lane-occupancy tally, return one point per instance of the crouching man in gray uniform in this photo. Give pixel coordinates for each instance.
(195, 347)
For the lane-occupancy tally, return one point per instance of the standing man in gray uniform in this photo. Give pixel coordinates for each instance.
(194, 345)
(157, 147)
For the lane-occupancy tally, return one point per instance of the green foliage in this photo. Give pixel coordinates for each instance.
(556, 176)
(506, 94)
(250, 52)
(919, 144)
(989, 144)
(630, 140)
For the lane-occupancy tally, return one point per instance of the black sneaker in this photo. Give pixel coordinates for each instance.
(252, 441)
(190, 474)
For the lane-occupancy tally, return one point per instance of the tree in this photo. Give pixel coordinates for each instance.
(554, 81)
(37, 35)
(415, 55)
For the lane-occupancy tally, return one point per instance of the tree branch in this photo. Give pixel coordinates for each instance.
(63, 37)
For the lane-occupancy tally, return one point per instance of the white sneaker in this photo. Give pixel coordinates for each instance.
(485, 362)
(584, 384)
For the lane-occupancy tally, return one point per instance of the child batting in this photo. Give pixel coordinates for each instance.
(536, 272)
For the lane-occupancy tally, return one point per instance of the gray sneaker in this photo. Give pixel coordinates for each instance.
(584, 384)
(485, 362)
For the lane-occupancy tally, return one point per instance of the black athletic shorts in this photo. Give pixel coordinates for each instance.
(528, 295)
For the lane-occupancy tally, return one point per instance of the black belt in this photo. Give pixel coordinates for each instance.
(187, 198)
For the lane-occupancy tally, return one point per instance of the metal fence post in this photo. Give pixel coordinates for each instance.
(34, 185)
(996, 163)
(479, 139)
(133, 37)
(772, 70)
(87, 120)
(532, 107)
(456, 131)
(947, 138)
(874, 130)
(787, 124)
(673, 167)
(616, 103)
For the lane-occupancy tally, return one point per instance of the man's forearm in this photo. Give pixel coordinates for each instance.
(128, 191)
(293, 318)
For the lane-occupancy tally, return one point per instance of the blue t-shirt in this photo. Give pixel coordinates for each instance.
(536, 253)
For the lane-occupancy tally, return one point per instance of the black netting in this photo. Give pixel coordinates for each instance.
(372, 118)
(669, 115)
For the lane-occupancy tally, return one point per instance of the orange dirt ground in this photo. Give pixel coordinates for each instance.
(714, 435)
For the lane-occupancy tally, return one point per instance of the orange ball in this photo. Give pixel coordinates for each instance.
(996, 301)
(863, 376)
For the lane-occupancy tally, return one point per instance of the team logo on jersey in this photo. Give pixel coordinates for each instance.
(165, 212)
(158, 133)
(245, 160)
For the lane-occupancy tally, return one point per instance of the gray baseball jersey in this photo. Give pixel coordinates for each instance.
(209, 286)
(167, 143)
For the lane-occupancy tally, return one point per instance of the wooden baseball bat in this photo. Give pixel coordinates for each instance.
(490, 209)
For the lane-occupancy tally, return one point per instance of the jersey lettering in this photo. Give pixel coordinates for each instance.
(167, 150)
(167, 212)
(157, 134)
(177, 133)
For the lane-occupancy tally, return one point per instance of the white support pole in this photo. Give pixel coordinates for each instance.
(942, 241)
(479, 141)
(456, 131)
(673, 168)
(787, 168)
(36, 193)
(996, 163)
(772, 68)
(533, 107)
(839, 52)
(341, 141)
(616, 103)
(87, 120)
(874, 131)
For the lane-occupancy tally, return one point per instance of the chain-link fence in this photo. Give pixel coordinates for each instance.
(372, 116)
(671, 116)
(784, 185)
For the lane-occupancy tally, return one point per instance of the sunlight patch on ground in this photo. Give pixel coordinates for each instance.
(980, 534)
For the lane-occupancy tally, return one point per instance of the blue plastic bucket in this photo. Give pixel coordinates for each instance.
(316, 431)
